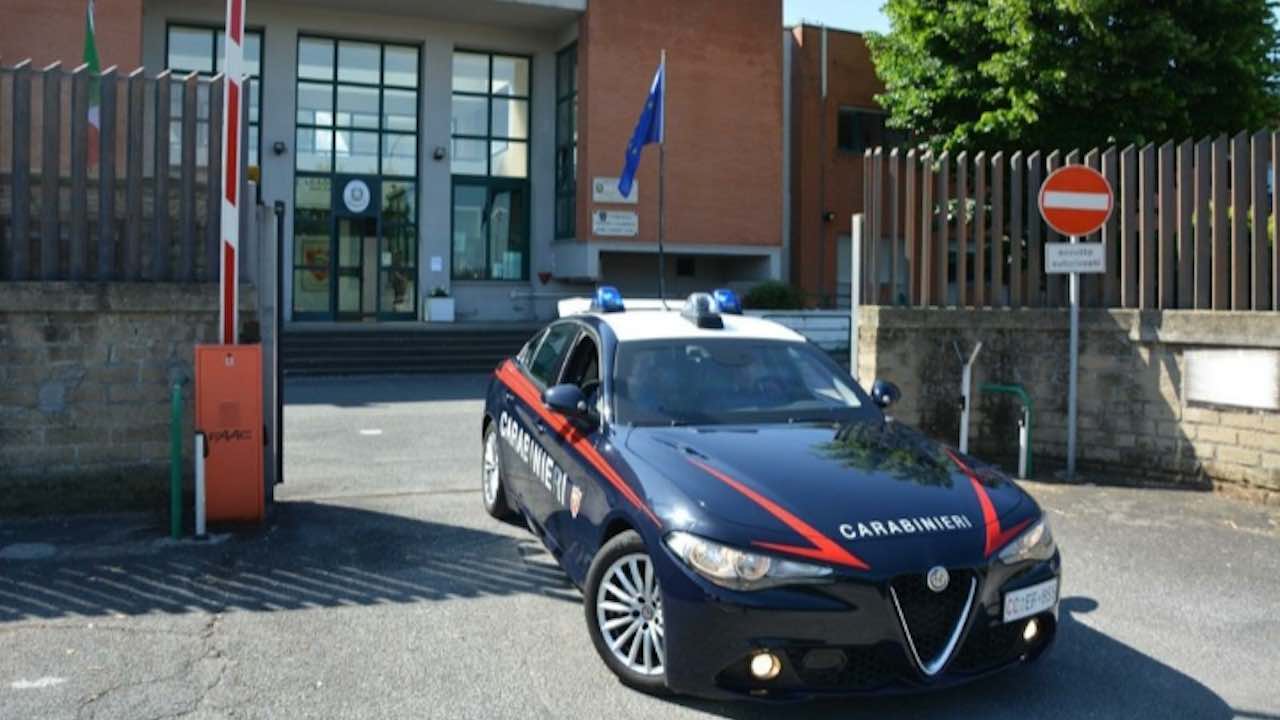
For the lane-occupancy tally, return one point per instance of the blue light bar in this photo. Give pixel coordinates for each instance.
(607, 299)
(727, 300)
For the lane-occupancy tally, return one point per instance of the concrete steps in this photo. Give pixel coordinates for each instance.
(371, 351)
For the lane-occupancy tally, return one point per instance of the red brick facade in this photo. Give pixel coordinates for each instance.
(824, 179)
(724, 114)
(53, 30)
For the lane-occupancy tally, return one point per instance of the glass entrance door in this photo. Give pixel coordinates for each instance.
(357, 286)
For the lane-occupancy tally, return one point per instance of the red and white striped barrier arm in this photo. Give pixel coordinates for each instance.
(233, 69)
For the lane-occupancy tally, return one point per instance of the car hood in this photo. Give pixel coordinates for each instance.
(873, 490)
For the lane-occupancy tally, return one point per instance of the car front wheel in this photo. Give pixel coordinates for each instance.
(492, 489)
(624, 613)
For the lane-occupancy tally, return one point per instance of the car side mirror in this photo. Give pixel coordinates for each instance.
(885, 393)
(567, 400)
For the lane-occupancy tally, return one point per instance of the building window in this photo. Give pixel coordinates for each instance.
(192, 48)
(490, 164)
(686, 266)
(357, 108)
(858, 130)
(357, 114)
(567, 142)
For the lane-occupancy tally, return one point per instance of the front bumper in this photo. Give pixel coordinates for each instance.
(842, 638)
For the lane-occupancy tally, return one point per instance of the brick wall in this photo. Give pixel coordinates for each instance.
(723, 114)
(1134, 421)
(53, 30)
(85, 375)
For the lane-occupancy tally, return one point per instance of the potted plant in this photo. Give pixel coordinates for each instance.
(439, 306)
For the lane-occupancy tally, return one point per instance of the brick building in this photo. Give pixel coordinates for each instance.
(832, 117)
(490, 134)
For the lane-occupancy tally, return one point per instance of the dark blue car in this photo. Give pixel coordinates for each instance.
(744, 521)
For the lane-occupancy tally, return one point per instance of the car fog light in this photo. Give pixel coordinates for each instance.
(1031, 630)
(766, 666)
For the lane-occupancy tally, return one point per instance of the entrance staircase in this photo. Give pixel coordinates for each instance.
(384, 350)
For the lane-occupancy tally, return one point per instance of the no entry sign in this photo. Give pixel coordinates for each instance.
(1075, 200)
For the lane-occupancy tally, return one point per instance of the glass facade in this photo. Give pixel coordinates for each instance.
(192, 48)
(489, 127)
(567, 142)
(357, 115)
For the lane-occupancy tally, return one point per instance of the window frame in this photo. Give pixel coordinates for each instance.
(569, 96)
(575, 329)
(859, 114)
(490, 182)
(215, 29)
(380, 130)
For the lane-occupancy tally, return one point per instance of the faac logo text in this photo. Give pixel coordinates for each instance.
(226, 436)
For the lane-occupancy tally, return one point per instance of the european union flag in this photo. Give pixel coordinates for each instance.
(649, 129)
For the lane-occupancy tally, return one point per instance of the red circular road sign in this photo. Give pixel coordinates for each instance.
(1075, 200)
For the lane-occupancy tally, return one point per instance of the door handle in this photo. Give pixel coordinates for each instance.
(541, 427)
(510, 397)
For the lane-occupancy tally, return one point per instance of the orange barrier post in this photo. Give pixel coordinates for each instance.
(229, 412)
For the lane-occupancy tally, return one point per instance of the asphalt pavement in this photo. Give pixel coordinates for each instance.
(381, 589)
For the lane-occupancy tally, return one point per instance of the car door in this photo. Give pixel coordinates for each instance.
(533, 436)
(568, 524)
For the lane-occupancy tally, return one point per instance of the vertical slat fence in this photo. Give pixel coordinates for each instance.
(114, 196)
(1192, 225)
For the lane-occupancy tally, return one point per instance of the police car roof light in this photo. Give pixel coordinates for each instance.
(607, 299)
(701, 310)
(727, 300)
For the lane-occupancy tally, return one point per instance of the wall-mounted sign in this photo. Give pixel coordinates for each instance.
(1083, 257)
(356, 196)
(605, 190)
(615, 223)
(1239, 378)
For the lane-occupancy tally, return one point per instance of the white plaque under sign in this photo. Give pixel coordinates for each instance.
(1085, 257)
(615, 223)
(1240, 378)
(605, 190)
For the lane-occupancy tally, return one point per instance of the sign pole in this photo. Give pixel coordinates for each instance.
(855, 296)
(233, 70)
(1073, 370)
(1075, 200)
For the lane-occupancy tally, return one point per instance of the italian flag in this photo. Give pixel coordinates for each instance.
(95, 84)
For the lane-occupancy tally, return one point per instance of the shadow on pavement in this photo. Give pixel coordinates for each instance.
(312, 555)
(1085, 674)
(368, 390)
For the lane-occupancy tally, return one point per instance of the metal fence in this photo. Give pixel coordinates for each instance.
(130, 199)
(1193, 226)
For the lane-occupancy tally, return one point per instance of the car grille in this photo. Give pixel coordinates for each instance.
(989, 647)
(853, 667)
(931, 617)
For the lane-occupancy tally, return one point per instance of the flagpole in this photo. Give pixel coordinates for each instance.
(662, 174)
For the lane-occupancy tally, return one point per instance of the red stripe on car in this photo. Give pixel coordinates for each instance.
(520, 385)
(996, 538)
(823, 548)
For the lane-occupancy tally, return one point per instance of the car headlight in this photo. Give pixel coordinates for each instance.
(1035, 543)
(738, 569)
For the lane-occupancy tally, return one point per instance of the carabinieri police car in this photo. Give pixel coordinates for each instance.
(745, 521)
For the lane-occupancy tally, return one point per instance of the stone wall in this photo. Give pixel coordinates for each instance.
(1134, 420)
(85, 377)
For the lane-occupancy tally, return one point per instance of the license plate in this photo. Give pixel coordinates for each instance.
(1029, 601)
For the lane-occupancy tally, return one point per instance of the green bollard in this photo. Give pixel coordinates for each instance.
(175, 461)
(1028, 409)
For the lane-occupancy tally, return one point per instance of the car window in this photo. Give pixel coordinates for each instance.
(723, 381)
(526, 352)
(550, 354)
(583, 369)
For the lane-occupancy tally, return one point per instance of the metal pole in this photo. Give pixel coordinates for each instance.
(175, 460)
(662, 175)
(200, 512)
(966, 396)
(855, 295)
(1071, 379)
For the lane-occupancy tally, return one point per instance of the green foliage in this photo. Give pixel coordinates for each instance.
(994, 74)
(773, 295)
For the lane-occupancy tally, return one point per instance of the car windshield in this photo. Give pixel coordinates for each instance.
(728, 381)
